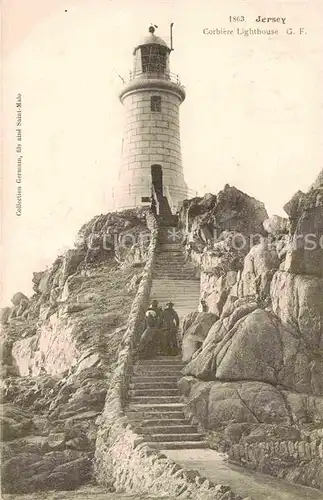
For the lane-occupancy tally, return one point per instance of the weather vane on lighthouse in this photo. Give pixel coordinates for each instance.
(151, 167)
(152, 28)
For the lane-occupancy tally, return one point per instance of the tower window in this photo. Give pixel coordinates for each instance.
(155, 103)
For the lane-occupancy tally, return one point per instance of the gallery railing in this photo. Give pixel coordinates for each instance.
(165, 75)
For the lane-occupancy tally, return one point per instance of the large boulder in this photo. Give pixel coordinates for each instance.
(305, 252)
(29, 472)
(259, 267)
(318, 183)
(276, 225)
(217, 404)
(298, 302)
(258, 347)
(204, 219)
(18, 297)
(4, 315)
(216, 289)
(196, 333)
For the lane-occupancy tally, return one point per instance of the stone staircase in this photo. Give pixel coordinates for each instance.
(174, 279)
(155, 408)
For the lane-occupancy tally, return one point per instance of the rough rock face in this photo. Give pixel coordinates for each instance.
(305, 250)
(318, 181)
(59, 351)
(261, 362)
(195, 333)
(219, 233)
(229, 210)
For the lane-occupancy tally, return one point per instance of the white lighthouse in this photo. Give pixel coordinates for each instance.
(151, 167)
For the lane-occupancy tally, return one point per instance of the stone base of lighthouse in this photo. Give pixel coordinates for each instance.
(151, 145)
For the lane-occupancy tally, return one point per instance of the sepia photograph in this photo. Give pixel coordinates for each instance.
(161, 276)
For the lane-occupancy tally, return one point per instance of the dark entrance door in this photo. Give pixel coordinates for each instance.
(157, 179)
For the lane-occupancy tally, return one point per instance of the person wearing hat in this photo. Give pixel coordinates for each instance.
(149, 339)
(159, 312)
(170, 327)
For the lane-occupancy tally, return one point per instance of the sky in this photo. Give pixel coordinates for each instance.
(252, 116)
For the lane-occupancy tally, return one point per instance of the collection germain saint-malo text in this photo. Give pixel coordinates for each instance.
(265, 26)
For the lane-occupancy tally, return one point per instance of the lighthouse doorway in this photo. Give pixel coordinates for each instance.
(157, 180)
(160, 204)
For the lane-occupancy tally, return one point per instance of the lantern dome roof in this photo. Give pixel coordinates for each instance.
(151, 39)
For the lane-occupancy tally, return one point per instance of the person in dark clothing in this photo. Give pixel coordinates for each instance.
(149, 339)
(159, 312)
(203, 306)
(170, 327)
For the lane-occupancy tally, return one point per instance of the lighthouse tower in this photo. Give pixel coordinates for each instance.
(151, 167)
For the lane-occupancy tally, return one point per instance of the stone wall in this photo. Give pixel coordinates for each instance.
(298, 461)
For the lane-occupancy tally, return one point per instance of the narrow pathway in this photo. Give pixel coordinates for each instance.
(213, 466)
(174, 279)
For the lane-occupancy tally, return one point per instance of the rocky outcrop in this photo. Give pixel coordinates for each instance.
(220, 230)
(261, 362)
(305, 249)
(60, 350)
(318, 183)
(194, 334)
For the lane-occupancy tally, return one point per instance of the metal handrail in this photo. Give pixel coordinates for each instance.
(165, 75)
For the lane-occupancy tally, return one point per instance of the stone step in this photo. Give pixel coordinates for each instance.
(146, 386)
(176, 437)
(180, 301)
(153, 392)
(151, 363)
(171, 367)
(172, 268)
(179, 263)
(158, 370)
(176, 255)
(169, 247)
(166, 429)
(151, 372)
(155, 399)
(161, 360)
(141, 379)
(174, 275)
(172, 259)
(181, 272)
(168, 284)
(162, 422)
(177, 445)
(178, 294)
(191, 293)
(156, 366)
(153, 416)
(156, 407)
